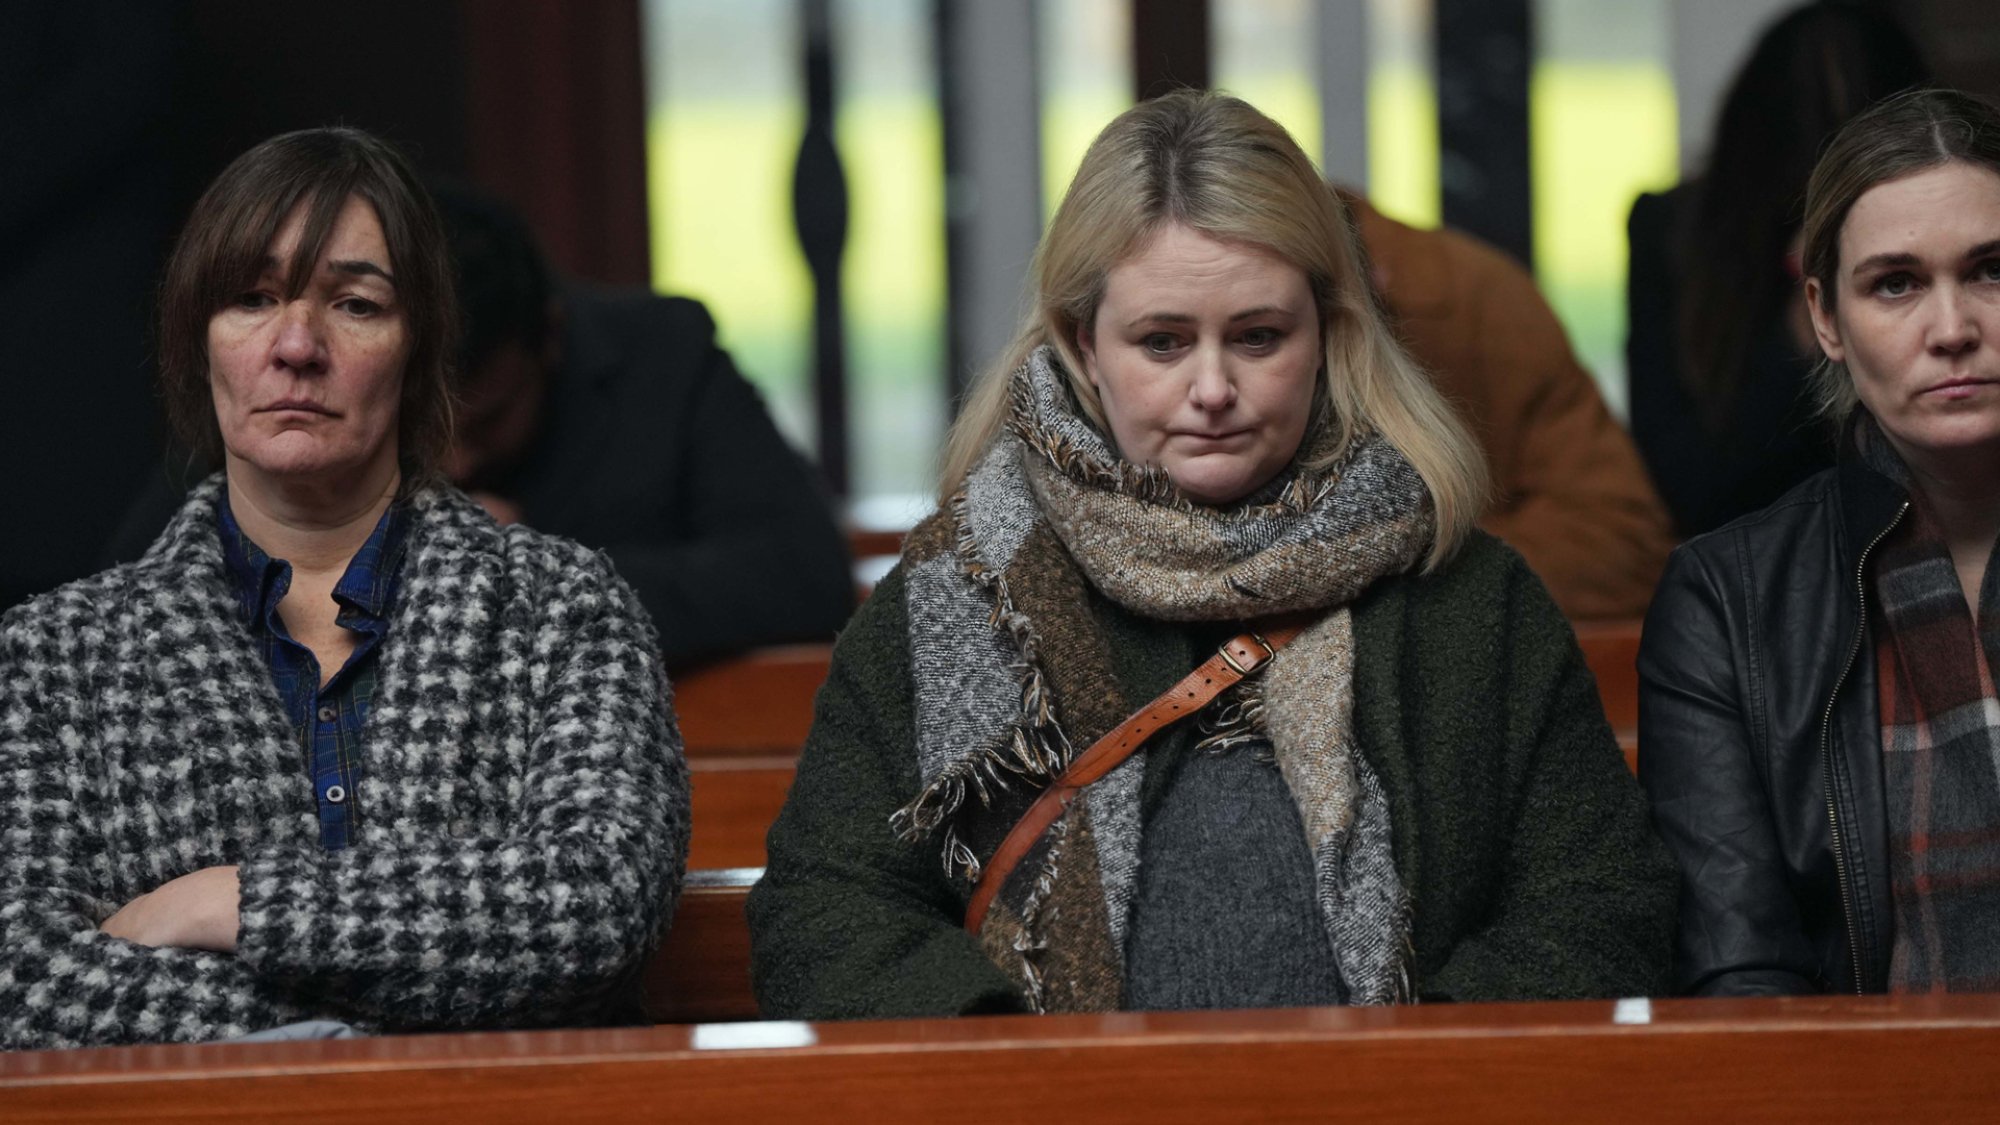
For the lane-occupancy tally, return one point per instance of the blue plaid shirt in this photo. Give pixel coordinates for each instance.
(327, 721)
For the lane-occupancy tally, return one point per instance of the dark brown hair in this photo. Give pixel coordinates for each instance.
(222, 251)
(1898, 137)
(1810, 73)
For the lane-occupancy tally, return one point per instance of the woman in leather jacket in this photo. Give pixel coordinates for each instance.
(1817, 717)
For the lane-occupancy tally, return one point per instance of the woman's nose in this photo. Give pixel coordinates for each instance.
(1212, 387)
(1955, 329)
(301, 345)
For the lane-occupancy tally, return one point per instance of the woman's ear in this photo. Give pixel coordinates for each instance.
(1086, 350)
(1825, 328)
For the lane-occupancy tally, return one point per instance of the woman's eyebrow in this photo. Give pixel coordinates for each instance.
(1984, 250)
(1184, 318)
(1159, 318)
(1884, 261)
(1260, 310)
(353, 266)
(1901, 259)
(360, 266)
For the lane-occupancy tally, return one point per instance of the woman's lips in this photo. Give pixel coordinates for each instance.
(1958, 388)
(294, 406)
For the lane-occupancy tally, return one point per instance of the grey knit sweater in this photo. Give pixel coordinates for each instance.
(524, 808)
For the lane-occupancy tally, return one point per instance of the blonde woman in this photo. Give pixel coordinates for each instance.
(1205, 430)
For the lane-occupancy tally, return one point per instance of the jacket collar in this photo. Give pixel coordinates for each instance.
(1869, 501)
(449, 540)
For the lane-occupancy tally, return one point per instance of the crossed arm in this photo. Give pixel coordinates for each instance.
(195, 911)
(533, 920)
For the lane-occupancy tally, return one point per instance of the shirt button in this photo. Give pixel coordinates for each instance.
(328, 714)
(335, 794)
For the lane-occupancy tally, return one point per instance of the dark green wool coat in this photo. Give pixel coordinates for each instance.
(1524, 842)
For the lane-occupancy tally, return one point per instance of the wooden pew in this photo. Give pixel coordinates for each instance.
(701, 973)
(757, 705)
(744, 721)
(761, 704)
(873, 543)
(1611, 648)
(1781, 1060)
(735, 801)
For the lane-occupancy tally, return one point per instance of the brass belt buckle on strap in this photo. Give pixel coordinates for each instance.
(1240, 669)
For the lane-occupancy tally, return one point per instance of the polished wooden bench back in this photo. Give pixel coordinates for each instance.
(873, 543)
(737, 794)
(762, 703)
(757, 704)
(701, 973)
(735, 801)
(1816, 1061)
(744, 721)
(1611, 648)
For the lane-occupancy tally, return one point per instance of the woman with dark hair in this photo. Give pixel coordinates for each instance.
(338, 747)
(1817, 711)
(1719, 348)
(1206, 440)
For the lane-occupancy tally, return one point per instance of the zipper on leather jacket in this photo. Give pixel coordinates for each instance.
(1826, 746)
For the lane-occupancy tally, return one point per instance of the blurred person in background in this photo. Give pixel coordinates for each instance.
(613, 417)
(1719, 348)
(1570, 493)
(89, 200)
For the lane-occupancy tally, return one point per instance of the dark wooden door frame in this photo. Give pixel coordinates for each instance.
(556, 122)
(1170, 46)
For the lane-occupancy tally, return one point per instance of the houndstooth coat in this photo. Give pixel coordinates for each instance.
(524, 805)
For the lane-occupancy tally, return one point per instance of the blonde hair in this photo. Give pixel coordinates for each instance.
(1214, 164)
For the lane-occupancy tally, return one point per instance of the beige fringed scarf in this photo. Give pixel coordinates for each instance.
(1013, 678)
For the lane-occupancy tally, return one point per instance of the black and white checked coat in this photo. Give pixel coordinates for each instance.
(523, 809)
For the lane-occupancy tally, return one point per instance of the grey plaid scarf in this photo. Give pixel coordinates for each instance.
(1013, 678)
(1940, 741)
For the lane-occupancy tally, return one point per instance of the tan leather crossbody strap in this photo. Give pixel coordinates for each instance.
(1239, 657)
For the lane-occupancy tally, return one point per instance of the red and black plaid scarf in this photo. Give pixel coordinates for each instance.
(1940, 749)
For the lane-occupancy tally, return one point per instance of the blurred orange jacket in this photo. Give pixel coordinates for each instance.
(1570, 492)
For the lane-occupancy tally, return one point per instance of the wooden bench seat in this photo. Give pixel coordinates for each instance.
(1802, 1060)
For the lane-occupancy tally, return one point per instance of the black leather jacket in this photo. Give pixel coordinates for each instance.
(1760, 744)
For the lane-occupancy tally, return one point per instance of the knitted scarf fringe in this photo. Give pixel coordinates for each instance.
(1032, 940)
(1035, 749)
(1234, 720)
